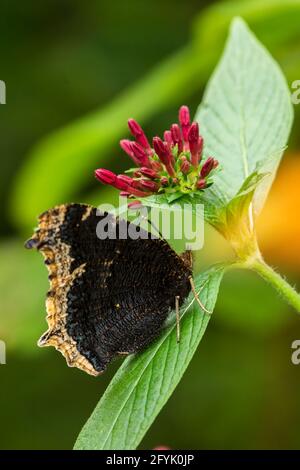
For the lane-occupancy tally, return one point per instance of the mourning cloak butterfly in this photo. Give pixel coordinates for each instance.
(107, 297)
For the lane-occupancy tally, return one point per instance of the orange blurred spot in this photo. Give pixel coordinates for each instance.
(278, 225)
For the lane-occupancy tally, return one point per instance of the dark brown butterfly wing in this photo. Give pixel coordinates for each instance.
(106, 297)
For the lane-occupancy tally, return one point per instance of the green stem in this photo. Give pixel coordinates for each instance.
(286, 291)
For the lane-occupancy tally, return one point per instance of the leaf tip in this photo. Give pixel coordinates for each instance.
(238, 25)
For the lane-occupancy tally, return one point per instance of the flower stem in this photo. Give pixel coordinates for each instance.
(287, 292)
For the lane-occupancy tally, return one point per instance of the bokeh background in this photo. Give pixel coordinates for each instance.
(75, 71)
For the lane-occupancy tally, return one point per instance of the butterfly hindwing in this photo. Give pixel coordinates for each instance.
(107, 296)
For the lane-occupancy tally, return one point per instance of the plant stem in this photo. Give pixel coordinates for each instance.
(287, 292)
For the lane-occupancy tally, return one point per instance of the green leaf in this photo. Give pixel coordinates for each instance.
(246, 114)
(235, 220)
(237, 210)
(145, 381)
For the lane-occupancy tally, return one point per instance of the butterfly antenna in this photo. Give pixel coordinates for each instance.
(177, 318)
(197, 296)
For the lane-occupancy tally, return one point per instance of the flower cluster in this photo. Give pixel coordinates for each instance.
(174, 164)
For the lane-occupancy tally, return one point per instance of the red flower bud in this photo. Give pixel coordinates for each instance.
(207, 167)
(169, 143)
(138, 187)
(176, 137)
(138, 193)
(168, 139)
(125, 178)
(149, 172)
(134, 189)
(201, 183)
(185, 165)
(164, 154)
(162, 150)
(106, 176)
(216, 163)
(155, 165)
(149, 185)
(184, 119)
(140, 154)
(200, 147)
(195, 144)
(135, 184)
(164, 181)
(134, 205)
(122, 182)
(138, 133)
(126, 145)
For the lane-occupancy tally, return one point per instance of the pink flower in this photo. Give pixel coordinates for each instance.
(184, 119)
(195, 144)
(174, 164)
(164, 153)
(106, 176)
(207, 167)
(185, 165)
(177, 137)
(139, 134)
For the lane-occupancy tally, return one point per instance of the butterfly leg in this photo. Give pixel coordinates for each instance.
(197, 296)
(146, 218)
(177, 318)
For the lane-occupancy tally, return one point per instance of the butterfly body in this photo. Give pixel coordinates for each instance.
(107, 296)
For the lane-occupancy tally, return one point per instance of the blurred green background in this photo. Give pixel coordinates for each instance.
(75, 71)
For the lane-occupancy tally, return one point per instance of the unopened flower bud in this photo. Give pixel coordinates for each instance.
(138, 133)
(126, 145)
(201, 183)
(164, 181)
(164, 154)
(195, 144)
(149, 185)
(176, 137)
(140, 154)
(184, 119)
(149, 172)
(105, 176)
(168, 138)
(185, 165)
(134, 205)
(122, 182)
(155, 165)
(207, 167)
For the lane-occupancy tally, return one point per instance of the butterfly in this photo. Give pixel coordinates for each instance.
(107, 297)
